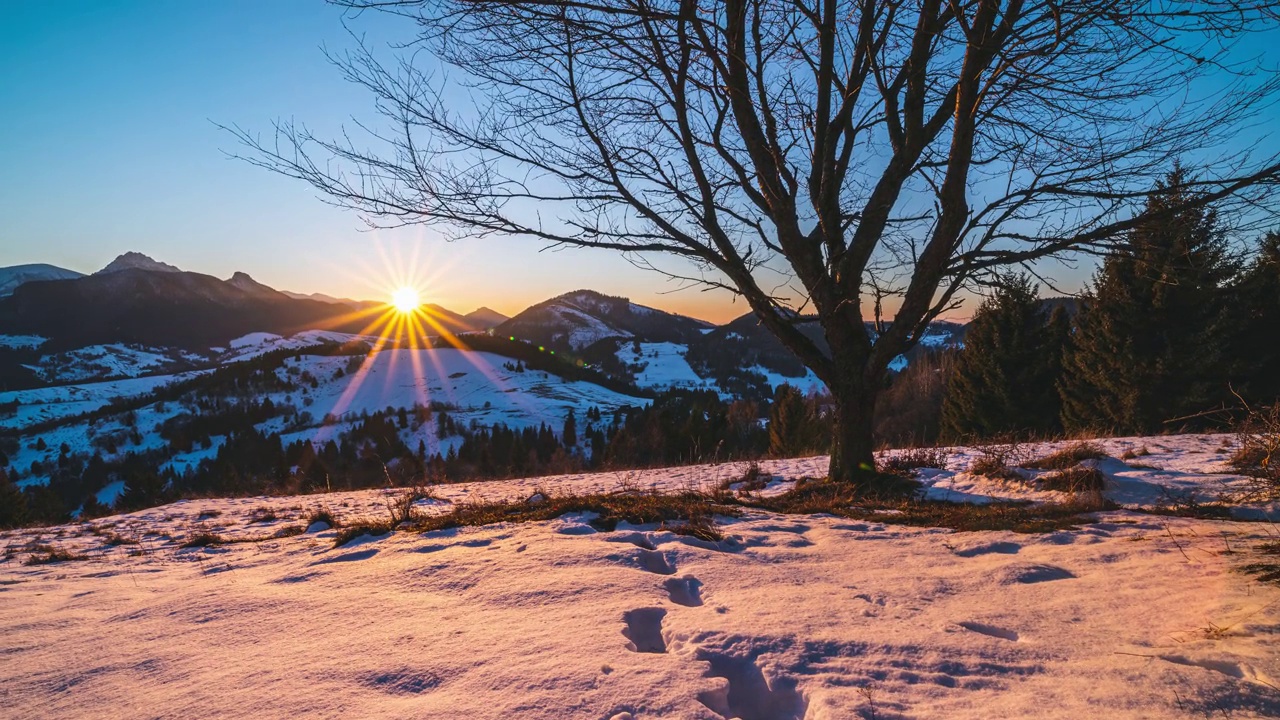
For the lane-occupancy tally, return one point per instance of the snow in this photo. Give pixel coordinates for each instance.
(807, 383)
(476, 383)
(22, 341)
(65, 401)
(585, 329)
(1131, 616)
(665, 366)
(259, 343)
(102, 362)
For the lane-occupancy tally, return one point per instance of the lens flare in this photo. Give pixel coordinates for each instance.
(406, 300)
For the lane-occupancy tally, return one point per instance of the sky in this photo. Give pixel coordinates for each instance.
(109, 142)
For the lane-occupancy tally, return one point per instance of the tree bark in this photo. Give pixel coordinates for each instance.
(852, 442)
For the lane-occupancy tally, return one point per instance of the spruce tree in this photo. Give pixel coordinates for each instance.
(13, 503)
(791, 425)
(1257, 345)
(1149, 343)
(1004, 379)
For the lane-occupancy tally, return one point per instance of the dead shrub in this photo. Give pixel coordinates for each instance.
(1068, 457)
(751, 480)
(998, 458)
(905, 462)
(1078, 479)
(1258, 452)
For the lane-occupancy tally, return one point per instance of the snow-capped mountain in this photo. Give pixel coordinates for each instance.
(16, 275)
(136, 261)
(575, 321)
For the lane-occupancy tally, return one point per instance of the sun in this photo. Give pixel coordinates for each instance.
(406, 300)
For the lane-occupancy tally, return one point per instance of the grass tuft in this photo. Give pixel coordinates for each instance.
(351, 532)
(1078, 479)
(1068, 457)
(47, 554)
(204, 539)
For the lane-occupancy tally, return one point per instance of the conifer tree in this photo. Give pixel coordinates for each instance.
(570, 432)
(13, 503)
(792, 431)
(1004, 378)
(1257, 345)
(1149, 343)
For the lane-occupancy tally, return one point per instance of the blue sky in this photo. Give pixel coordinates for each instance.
(108, 143)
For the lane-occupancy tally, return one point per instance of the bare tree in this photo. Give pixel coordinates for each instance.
(808, 155)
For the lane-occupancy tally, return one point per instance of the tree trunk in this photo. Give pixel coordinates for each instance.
(852, 445)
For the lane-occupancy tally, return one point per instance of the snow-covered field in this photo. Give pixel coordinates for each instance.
(792, 616)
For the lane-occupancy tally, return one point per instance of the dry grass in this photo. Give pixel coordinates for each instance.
(998, 458)
(1258, 455)
(1078, 479)
(208, 539)
(1267, 571)
(1068, 457)
(48, 554)
(906, 461)
(321, 515)
(355, 530)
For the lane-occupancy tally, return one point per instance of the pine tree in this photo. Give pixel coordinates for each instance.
(13, 503)
(792, 429)
(1005, 377)
(1149, 343)
(570, 432)
(1257, 345)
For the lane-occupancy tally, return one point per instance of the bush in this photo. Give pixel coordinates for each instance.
(1068, 457)
(1078, 479)
(905, 461)
(997, 460)
(1258, 455)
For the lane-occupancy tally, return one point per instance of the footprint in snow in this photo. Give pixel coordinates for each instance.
(686, 591)
(989, 630)
(656, 562)
(644, 630)
(1003, 548)
(1026, 574)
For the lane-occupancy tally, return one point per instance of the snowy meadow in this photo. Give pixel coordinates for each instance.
(249, 607)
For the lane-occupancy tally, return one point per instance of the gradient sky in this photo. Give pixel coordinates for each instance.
(108, 143)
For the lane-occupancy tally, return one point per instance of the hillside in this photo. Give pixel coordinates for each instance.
(1125, 614)
(16, 275)
(575, 321)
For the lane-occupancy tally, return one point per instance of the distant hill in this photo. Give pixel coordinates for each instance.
(138, 300)
(575, 321)
(483, 318)
(15, 275)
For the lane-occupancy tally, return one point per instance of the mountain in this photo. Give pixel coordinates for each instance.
(484, 318)
(246, 283)
(321, 297)
(13, 276)
(575, 321)
(156, 308)
(136, 261)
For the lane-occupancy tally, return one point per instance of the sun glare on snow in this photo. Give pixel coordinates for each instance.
(406, 300)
